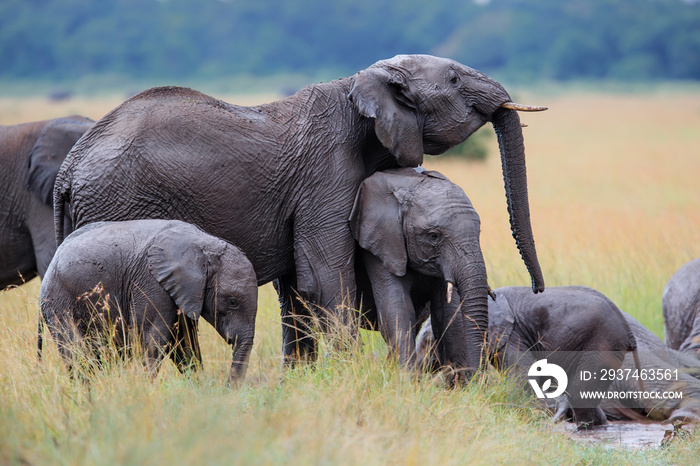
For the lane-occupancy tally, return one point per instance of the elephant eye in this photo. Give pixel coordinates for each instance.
(453, 78)
(433, 236)
(232, 302)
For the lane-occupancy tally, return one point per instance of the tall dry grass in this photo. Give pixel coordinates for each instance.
(614, 202)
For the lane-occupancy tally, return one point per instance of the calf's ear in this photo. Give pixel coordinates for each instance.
(376, 223)
(177, 261)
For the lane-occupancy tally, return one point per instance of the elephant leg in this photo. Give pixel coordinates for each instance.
(17, 264)
(395, 310)
(156, 321)
(41, 228)
(325, 268)
(298, 343)
(67, 340)
(186, 353)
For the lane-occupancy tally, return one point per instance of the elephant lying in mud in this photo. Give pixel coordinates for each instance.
(279, 180)
(569, 319)
(150, 279)
(681, 307)
(30, 155)
(574, 327)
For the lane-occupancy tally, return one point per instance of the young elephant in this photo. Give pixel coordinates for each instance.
(419, 240)
(145, 270)
(575, 327)
(681, 307)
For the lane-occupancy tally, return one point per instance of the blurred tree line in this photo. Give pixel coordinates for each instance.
(518, 39)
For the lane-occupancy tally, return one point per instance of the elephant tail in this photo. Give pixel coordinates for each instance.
(61, 194)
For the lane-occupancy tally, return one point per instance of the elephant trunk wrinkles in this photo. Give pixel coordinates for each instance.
(239, 364)
(506, 123)
(472, 315)
(474, 307)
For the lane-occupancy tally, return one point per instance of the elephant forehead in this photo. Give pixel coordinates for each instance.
(239, 269)
(439, 198)
(418, 66)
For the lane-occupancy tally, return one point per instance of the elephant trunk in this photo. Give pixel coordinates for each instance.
(242, 346)
(506, 123)
(463, 334)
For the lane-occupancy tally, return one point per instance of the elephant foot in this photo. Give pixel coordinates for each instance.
(585, 418)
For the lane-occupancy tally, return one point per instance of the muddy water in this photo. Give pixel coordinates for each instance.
(625, 434)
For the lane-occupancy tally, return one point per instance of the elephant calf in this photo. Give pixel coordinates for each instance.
(419, 243)
(582, 319)
(130, 278)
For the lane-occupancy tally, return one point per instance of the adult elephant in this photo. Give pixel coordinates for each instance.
(419, 244)
(681, 308)
(30, 155)
(279, 180)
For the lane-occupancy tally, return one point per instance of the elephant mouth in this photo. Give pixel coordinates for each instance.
(436, 148)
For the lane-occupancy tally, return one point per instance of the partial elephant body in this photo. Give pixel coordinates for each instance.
(30, 155)
(654, 356)
(279, 180)
(419, 250)
(576, 327)
(147, 279)
(681, 308)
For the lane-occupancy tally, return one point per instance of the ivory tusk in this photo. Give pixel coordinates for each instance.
(523, 125)
(449, 292)
(522, 108)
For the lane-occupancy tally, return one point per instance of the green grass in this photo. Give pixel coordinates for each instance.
(614, 200)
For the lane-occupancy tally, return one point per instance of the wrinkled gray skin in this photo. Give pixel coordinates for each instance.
(653, 355)
(150, 269)
(30, 155)
(559, 325)
(279, 180)
(681, 308)
(417, 231)
(586, 319)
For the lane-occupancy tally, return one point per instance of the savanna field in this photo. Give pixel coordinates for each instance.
(615, 204)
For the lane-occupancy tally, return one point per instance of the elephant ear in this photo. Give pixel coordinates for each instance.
(380, 95)
(176, 259)
(377, 225)
(51, 147)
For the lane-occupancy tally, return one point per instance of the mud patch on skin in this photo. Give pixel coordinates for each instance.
(627, 434)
